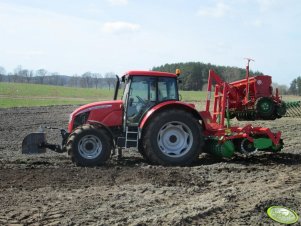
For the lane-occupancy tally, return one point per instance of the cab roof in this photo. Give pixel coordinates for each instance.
(150, 73)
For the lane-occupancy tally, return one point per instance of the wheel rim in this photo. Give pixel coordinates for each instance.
(90, 147)
(247, 147)
(175, 139)
(265, 107)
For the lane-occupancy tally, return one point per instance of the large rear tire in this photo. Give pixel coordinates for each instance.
(89, 146)
(173, 137)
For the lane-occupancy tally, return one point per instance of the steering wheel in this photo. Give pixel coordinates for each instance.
(140, 100)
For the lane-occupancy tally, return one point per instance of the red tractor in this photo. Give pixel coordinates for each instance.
(149, 117)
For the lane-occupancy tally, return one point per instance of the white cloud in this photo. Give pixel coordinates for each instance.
(118, 2)
(217, 11)
(38, 38)
(120, 27)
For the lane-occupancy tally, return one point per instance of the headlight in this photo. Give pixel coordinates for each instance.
(81, 119)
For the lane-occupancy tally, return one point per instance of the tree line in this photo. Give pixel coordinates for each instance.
(194, 77)
(42, 76)
(195, 74)
(295, 86)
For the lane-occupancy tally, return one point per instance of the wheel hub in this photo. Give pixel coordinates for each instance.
(90, 147)
(175, 139)
(247, 147)
(265, 107)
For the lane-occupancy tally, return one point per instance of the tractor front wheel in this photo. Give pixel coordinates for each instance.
(89, 146)
(173, 137)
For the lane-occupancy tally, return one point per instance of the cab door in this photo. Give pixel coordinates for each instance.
(142, 95)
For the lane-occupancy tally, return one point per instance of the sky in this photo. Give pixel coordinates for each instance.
(73, 37)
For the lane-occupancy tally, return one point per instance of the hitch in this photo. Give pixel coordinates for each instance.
(35, 143)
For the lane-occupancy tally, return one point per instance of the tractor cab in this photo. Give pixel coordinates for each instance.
(145, 89)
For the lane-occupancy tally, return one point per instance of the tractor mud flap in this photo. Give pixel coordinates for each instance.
(34, 143)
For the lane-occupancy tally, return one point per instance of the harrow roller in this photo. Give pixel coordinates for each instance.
(293, 109)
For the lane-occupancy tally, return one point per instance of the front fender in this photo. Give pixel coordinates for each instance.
(167, 105)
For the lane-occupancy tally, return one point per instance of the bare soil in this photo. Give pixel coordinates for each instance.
(49, 190)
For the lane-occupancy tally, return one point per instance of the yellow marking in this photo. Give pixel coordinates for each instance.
(227, 131)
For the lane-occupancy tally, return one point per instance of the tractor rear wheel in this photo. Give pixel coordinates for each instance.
(173, 137)
(265, 108)
(89, 146)
(142, 151)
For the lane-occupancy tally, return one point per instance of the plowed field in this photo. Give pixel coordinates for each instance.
(49, 190)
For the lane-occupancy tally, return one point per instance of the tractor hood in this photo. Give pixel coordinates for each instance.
(108, 113)
(112, 105)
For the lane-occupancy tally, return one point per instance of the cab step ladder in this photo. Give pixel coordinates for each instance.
(131, 137)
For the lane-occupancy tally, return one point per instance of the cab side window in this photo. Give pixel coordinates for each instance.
(167, 89)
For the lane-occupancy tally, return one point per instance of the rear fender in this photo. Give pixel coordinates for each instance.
(168, 105)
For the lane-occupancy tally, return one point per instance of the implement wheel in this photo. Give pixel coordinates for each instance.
(281, 109)
(89, 146)
(246, 147)
(265, 107)
(173, 137)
